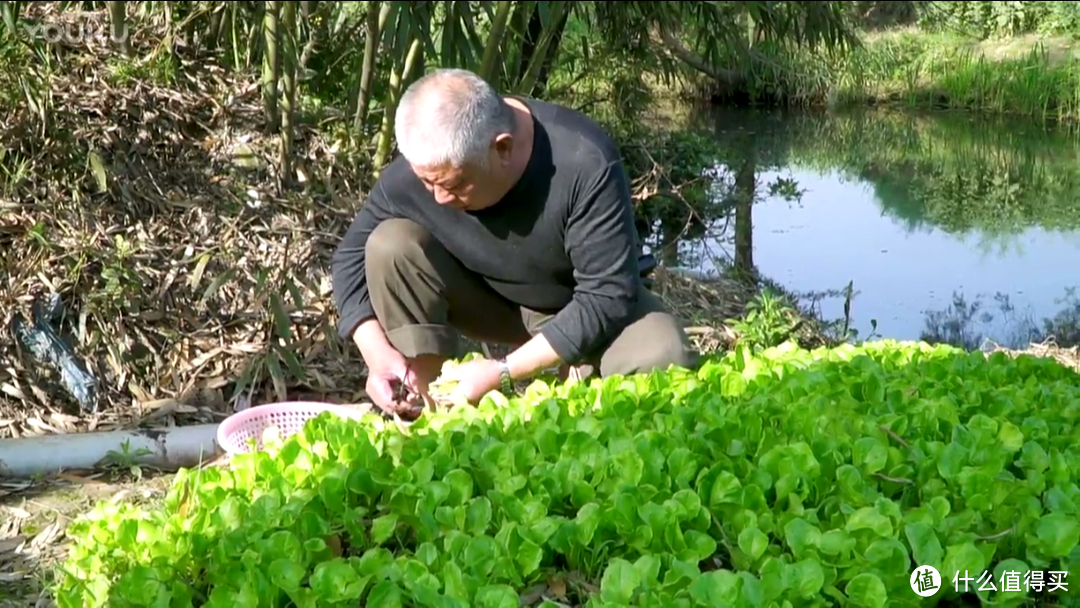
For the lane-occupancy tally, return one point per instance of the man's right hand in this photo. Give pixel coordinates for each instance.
(393, 387)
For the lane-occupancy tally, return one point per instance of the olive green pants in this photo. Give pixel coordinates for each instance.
(425, 299)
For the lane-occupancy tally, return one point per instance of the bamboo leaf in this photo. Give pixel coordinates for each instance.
(292, 363)
(249, 376)
(282, 322)
(422, 29)
(466, 51)
(10, 11)
(277, 375)
(297, 295)
(372, 22)
(544, 8)
(215, 285)
(97, 166)
(200, 268)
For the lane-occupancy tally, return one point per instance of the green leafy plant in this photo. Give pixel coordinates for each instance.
(769, 321)
(782, 478)
(126, 459)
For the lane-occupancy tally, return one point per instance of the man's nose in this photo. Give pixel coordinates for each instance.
(443, 196)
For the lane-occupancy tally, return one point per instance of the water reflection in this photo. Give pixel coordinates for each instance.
(974, 324)
(950, 229)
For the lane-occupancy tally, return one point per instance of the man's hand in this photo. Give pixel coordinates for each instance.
(473, 379)
(394, 388)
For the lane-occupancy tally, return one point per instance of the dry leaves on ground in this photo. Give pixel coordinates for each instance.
(183, 278)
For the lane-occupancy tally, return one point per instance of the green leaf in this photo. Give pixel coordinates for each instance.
(1058, 534)
(964, 557)
(753, 543)
(1010, 436)
(496, 596)
(337, 581)
(802, 536)
(142, 586)
(385, 594)
(286, 574)
(733, 384)
(866, 590)
(382, 529)
(716, 588)
(619, 582)
(806, 578)
(871, 454)
(925, 547)
(867, 518)
(478, 516)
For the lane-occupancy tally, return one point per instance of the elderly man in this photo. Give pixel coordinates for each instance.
(508, 220)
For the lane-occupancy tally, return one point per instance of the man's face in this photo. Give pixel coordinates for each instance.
(470, 187)
(456, 187)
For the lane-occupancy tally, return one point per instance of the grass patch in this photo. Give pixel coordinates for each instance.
(160, 69)
(1038, 78)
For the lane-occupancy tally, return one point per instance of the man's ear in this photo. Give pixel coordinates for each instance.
(504, 146)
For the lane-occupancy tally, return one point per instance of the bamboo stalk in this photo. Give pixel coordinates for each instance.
(557, 10)
(491, 52)
(271, 67)
(289, 48)
(448, 35)
(421, 28)
(309, 10)
(389, 11)
(217, 22)
(386, 133)
(513, 63)
(118, 25)
(254, 48)
(371, 46)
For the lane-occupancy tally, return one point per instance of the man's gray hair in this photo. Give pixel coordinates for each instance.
(450, 116)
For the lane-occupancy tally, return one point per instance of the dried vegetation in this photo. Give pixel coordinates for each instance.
(185, 278)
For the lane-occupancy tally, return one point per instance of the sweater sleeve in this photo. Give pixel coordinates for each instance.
(348, 265)
(601, 240)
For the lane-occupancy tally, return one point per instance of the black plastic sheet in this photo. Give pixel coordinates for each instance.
(42, 338)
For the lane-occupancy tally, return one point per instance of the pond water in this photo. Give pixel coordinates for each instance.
(947, 228)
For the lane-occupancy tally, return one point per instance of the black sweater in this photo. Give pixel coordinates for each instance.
(562, 240)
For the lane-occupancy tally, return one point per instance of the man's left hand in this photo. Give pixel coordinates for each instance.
(475, 379)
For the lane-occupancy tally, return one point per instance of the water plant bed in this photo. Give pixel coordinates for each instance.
(783, 478)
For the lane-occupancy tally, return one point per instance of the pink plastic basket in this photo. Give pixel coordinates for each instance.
(289, 417)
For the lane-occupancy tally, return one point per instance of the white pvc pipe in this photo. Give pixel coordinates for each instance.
(165, 448)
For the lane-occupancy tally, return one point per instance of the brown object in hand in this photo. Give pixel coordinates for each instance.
(410, 404)
(401, 392)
